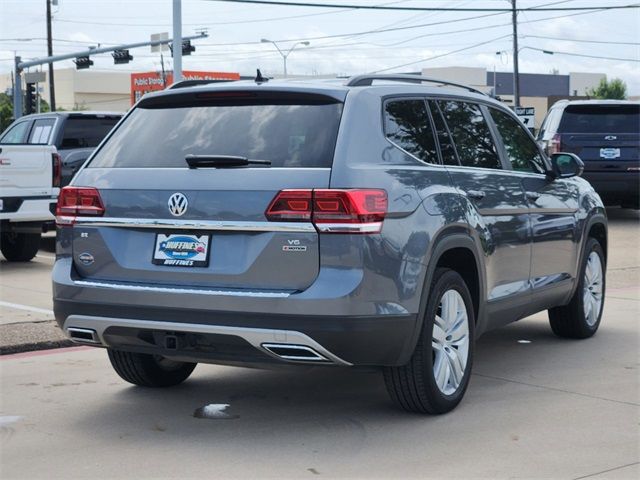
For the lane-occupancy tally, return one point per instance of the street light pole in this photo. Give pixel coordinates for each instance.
(284, 54)
(177, 40)
(52, 89)
(516, 70)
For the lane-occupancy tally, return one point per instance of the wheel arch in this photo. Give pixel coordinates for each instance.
(457, 249)
(595, 226)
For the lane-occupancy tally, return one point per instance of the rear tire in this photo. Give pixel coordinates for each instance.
(581, 317)
(19, 247)
(149, 370)
(436, 377)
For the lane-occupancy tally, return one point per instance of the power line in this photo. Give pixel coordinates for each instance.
(555, 52)
(579, 40)
(424, 9)
(466, 30)
(442, 55)
(259, 20)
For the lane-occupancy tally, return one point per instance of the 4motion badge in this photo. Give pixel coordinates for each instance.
(294, 246)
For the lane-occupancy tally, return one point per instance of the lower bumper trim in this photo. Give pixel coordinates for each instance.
(257, 337)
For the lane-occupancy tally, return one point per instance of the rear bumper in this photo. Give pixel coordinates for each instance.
(217, 328)
(206, 336)
(615, 185)
(29, 210)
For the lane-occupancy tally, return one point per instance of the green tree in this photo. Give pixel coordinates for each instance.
(616, 89)
(6, 110)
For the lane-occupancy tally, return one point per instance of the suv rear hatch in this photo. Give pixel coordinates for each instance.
(167, 224)
(605, 136)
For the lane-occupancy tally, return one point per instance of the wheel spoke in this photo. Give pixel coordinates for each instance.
(439, 334)
(595, 308)
(457, 370)
(439, 370)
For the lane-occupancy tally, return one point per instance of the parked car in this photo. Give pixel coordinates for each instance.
(377, 222)
(606, 136)
(39, 154)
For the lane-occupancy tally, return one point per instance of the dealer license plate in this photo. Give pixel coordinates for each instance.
(181, 250)
(609, 153)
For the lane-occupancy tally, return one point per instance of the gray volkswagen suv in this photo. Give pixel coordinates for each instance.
(384, 221)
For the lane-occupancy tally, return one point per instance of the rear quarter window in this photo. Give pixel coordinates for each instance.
(86, 131)
(288, 135)
(407, 125)
(600, 119)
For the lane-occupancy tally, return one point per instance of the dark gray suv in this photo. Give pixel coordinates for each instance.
(379, 222)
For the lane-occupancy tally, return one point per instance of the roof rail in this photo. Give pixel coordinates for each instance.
(366, 80)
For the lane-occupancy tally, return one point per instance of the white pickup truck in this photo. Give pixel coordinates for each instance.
(38, 155)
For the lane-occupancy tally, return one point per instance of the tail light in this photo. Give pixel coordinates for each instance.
(56, 163)
(332, 210)
(555, 144)
(76, 202)
(290, 206)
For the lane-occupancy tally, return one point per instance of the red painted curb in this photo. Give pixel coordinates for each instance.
(38, 353)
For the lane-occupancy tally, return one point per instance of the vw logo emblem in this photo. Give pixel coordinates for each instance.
(178, 204)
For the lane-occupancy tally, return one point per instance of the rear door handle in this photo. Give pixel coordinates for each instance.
(475, 194)
(532, 195)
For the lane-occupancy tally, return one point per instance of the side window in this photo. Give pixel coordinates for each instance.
(447, 149)
(41, 131)
(406, 124)
(521, 150)
(16, 133)
(471, 134)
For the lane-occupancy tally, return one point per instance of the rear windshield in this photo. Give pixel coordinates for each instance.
(287, 135)
(85, 131)
(601, 119)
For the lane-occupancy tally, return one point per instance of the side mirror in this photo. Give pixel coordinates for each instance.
(565, 165)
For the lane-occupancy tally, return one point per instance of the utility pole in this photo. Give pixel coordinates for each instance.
(17, 88)
(177, 40)
(516, 71)
(52, 90)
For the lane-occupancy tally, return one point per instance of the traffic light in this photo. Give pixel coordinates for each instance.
(187, 48)
(83, 62)
(121, 56)
(31, 98)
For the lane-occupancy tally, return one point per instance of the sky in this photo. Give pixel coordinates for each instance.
(342, 41)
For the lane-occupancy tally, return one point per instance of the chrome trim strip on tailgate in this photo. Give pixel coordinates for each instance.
(196, 224)
(203, 291)
(255, 336)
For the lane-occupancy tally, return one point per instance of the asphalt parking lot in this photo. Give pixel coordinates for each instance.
(537, 406)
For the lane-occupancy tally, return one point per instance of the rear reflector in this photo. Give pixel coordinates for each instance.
(332, 210)
(555, 144)
(76, 202)
(56, 170)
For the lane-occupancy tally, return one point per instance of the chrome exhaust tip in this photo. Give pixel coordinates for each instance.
(83, 335)
(296, 353)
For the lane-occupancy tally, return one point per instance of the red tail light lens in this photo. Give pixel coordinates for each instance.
(56, 170)
(332, 210)
(290, 206)
(77, 202)
(555, 144)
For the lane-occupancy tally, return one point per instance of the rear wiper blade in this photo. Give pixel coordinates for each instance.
(221, 161)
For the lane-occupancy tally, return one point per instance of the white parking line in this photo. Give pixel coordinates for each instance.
(50, 257)
(28, 308)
